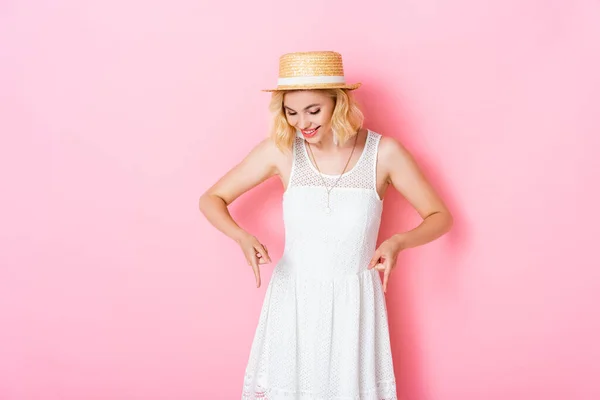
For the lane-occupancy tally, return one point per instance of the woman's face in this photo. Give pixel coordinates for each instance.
(309, 111)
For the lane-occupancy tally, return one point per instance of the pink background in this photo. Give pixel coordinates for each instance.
(116, 115)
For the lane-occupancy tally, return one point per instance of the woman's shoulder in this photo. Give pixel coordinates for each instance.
(390, 148)
(267, 150)
(386, 143)
(267, 146)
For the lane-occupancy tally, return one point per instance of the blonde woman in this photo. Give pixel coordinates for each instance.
(323, 328)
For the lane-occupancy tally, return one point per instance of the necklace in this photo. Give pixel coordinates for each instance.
(328, 189)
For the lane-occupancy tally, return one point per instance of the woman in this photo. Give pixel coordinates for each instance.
(323, 328)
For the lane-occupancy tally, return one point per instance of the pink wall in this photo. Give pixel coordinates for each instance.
(116, 115)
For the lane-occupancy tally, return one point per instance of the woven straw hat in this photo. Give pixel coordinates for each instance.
(312, 70)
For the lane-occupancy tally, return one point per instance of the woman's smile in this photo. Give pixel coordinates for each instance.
(310, 132)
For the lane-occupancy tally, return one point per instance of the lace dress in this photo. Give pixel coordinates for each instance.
(323, 331)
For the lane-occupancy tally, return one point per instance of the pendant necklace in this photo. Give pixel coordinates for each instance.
(328, 189)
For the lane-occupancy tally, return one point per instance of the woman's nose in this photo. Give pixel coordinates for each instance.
(303, 123)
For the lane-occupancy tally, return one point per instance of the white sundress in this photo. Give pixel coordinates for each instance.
(322, 332)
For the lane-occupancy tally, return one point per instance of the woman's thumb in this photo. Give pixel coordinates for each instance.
(374, 260)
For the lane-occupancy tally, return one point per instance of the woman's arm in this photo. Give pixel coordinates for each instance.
(259, 165)
(403, 173)
(406, 177)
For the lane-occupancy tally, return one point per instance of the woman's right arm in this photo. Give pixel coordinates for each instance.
(259, 165)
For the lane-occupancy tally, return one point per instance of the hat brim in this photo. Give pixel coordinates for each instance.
(315, 86)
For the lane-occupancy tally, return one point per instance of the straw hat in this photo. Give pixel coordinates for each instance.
(312, 70)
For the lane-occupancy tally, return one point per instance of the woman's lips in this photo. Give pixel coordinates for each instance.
(310, 132)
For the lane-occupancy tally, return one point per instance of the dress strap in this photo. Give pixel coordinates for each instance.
(296, 164)
(374, 149)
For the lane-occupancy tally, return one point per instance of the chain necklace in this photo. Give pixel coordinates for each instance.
(328, 189)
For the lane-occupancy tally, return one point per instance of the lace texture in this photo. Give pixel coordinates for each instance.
(323, 329)
(362, 175)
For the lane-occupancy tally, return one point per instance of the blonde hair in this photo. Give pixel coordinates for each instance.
(346, 119)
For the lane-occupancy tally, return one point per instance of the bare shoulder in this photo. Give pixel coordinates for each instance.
(268, 151)
(261, 163)
(393, 154)
(402, 171)
(389, 146)
(266, 147)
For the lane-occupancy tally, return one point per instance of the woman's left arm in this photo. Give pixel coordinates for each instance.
(403, 173)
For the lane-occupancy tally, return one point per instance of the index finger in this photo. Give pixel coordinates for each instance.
(386, 275)
(256, 270)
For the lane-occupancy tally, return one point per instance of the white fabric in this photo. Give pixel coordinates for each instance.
(304, 80)
(323, 328)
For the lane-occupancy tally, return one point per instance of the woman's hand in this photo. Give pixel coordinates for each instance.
(255, 253)
(385, 257)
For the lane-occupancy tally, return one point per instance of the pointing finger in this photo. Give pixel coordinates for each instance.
(254, 263)
(386, 275)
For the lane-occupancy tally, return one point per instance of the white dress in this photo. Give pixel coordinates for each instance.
(323, 328)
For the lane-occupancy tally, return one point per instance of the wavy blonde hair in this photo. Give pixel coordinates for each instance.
(346, 120)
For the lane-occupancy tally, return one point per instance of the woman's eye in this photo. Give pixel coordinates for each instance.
(315, 112)
(291, 113)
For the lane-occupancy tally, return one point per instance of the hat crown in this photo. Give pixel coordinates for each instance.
(312, 70)
(312, 63)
